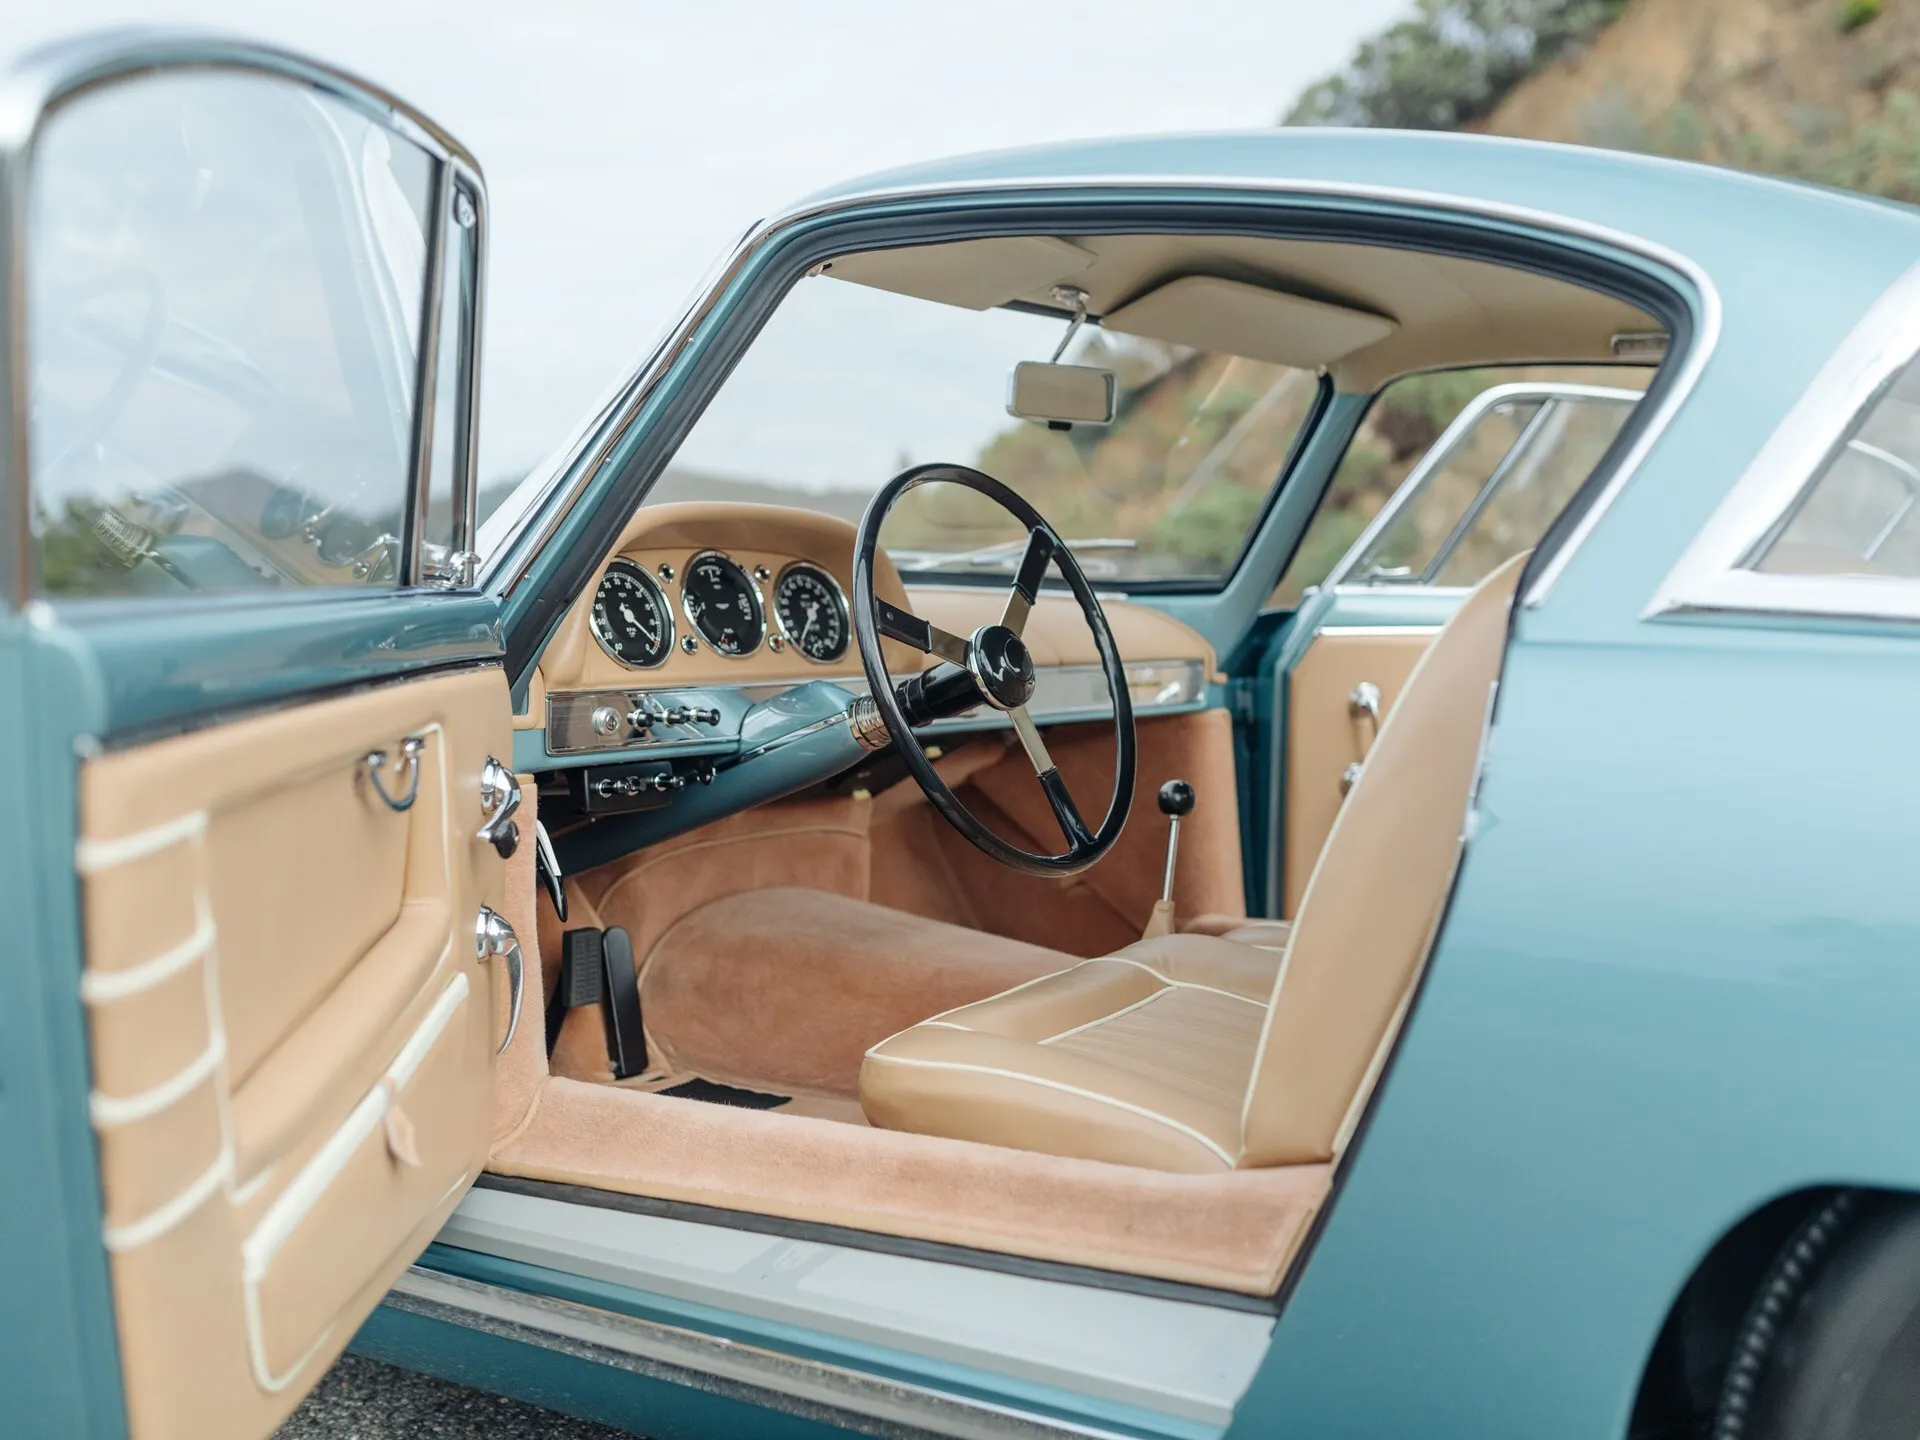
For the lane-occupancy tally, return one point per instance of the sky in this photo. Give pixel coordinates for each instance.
(627, 145)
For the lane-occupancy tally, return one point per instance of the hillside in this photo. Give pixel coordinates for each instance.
(1820, 89)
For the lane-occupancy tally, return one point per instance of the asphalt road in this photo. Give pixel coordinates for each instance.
(365, 1400)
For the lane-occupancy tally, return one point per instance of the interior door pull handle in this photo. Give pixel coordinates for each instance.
(408, 764)
(492, 936)
(499, 798)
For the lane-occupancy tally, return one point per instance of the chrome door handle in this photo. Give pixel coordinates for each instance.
(499, 798)
(492, 935)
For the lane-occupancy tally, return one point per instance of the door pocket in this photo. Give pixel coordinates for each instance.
(402, 1151)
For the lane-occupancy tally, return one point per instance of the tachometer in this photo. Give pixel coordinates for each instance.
(631, 618)
(722, 604)
(811, 613)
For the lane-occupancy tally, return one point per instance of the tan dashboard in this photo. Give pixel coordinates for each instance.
(764, 541)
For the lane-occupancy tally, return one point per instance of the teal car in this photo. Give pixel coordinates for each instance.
(1194, 786)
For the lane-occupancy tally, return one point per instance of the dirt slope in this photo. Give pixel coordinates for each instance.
(1720, 79)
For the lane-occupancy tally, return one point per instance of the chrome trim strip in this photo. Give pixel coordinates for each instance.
(1708, 577)
(32, 88)
(833, 1395)
(598, 441)
(1062, 694)
(1437, 456)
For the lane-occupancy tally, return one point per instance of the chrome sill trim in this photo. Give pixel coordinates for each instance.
(1710, 577)
(829, 1394)
(598, 443)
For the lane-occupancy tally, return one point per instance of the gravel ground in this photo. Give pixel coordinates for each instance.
(364, 1400)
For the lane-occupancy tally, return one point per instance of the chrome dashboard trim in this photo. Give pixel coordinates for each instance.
(1063, 694)
(1710, 577)
(589, 451)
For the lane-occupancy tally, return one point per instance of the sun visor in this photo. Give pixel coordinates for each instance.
(976, 274)
(1231, 317)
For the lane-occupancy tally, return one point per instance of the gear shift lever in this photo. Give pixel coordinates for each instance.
(1176, 803)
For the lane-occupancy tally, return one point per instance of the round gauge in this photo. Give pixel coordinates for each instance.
(631, 618)
(722, 604)
(811, 613)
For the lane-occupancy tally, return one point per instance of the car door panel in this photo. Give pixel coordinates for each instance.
(291, 1032)
(1328, 730)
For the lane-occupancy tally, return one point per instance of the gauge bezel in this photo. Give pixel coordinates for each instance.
(753, 590)
(819, 572)
(634, 567)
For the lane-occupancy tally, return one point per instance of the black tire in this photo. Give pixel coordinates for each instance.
(1846, 1364)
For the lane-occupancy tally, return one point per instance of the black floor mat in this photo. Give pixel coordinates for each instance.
(717, 1094)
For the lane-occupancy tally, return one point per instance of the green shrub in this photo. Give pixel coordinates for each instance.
(1855, 13)
(1452, 62)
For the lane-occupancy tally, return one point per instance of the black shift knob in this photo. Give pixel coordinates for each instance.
(1176, 798)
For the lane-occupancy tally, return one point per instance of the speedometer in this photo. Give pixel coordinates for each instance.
(722, 604)
(811, 613)
(631, 618)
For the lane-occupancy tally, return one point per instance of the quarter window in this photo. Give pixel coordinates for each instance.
(1858, 514)
(1454, 473)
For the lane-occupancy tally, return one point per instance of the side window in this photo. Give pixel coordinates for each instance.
(1453, 473)
(1857, 515)
(226, 289)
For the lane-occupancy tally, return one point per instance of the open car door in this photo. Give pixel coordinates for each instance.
(253, 710)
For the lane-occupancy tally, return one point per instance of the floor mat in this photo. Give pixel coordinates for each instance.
(717, 1094)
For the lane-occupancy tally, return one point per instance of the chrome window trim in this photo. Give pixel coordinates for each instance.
(583, 456)
(38, 83)
(1437, 455)
(1709, 577)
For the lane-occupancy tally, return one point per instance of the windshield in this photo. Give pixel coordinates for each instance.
(848, 385)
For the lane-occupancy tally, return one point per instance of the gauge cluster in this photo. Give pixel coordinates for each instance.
(714, 604)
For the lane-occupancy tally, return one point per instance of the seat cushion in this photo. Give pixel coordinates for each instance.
(1140, 1058)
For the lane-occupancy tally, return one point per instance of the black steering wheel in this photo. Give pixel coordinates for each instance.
(994, 666)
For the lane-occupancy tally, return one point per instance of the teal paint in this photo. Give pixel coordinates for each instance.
(59, 1358)
(946, 1377)
(167, 664)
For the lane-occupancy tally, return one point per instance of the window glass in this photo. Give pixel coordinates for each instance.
(225, 290)
(1858, 516)
(1488, 496)
(848, 385)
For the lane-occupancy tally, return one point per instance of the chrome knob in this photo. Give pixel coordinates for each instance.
(605, 720)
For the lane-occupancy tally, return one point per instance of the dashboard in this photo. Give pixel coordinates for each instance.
(709, 624)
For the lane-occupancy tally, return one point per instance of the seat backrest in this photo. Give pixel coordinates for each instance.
(1369, 910)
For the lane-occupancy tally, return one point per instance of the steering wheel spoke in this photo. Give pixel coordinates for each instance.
(1060, 800)
(928, 639)
(1026, 580)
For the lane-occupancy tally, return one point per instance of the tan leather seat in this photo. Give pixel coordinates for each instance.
(1192, 1052)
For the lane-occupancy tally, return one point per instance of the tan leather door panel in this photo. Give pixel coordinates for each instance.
(1325, 736)
(292, 1035)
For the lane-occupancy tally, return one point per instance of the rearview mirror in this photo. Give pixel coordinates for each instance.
(1060, 395)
